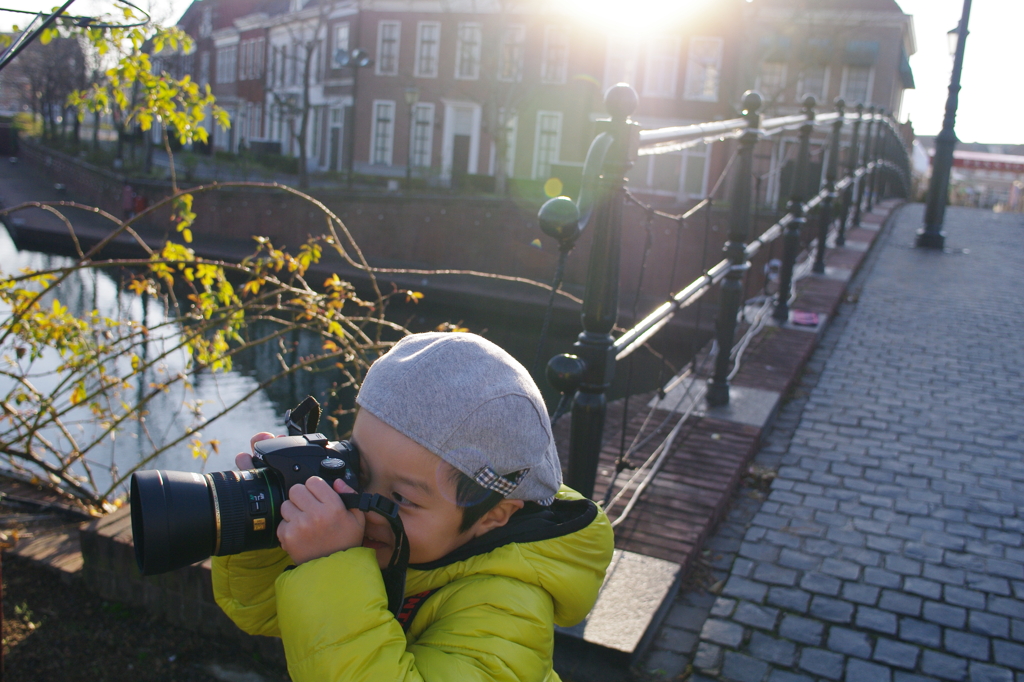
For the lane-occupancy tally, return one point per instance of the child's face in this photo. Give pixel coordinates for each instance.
(402, 470)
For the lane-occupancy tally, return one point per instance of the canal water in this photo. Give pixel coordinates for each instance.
(262, 409)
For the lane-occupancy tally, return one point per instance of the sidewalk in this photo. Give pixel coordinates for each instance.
(889, 547)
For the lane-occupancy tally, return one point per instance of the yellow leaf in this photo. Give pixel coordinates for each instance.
(413, 296)
(78, 395)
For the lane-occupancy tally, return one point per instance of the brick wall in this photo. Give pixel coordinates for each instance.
(183, 597)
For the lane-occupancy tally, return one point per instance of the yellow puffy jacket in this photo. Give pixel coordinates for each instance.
(490, 619)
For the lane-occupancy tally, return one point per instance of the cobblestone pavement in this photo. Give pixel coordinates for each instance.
(889, 547)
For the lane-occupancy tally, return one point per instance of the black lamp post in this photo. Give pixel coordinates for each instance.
(412, 95)
(355, 59)
(938, 189)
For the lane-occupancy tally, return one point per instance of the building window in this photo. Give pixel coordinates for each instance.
(511, 127)
(510, 59)
(772, 81)
(467, 53)
(704, 69)
(388, 34)
(383, 137)
(422, 134)
(227, 64)
(662, 67)
(206, 23)
(293, 66)
(857, 84)
(620, 61)
(815, 82)
(428, 39)
(340, 43)
(547, 143)
(556, 55)
(204, 68)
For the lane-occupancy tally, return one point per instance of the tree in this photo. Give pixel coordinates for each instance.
(53, 69)
(304, 55)
(73, 379)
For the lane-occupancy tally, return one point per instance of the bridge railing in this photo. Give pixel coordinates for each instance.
(876, 162)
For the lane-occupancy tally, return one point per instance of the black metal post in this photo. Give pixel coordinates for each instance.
(831, 173)
(931, 236)
(851, 168)
(601, 297)
(791, 239)
(864, 161)
(736, 250)
(877, 149)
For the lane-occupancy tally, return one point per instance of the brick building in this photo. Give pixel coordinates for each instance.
(511, 88)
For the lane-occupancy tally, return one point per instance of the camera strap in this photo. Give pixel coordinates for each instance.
(394, 574)
(304, 419)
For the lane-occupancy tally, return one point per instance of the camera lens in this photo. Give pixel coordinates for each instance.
(173, 520)
(179, 518)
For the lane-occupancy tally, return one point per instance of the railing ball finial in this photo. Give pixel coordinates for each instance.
(752, 102)
(809, 103)
(565, 373)
(560, 220)
(620, 101)
(860, 109)
(840, 105)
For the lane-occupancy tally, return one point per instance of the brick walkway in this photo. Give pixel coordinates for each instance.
(889, 548)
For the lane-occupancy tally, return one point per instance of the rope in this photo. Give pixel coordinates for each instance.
(556, 284)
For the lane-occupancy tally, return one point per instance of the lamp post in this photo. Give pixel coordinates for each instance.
(412, 95)
(356, 59)
(931, 236)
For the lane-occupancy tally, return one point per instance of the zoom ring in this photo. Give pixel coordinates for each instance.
(231, 498)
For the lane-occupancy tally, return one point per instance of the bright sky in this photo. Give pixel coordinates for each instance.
(990, 102)
(991, 98)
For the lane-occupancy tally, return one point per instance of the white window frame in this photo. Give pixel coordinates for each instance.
(381, 26)
(622, 54)
(341, 38)
(511, 132)
(538, 163)
(425, 123)
(206, 23)
(778, 96)
(387, 130)
(662, 65)
(821, 96)
(427, 50)
(227, 64)
(870, 88)
(554, 73)
(204, 68)
(467, 51)
(513, 40)
(697, 66)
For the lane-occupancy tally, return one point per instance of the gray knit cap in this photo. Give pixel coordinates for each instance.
(473, 405)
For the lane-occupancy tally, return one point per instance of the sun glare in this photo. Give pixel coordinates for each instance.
(636, 16)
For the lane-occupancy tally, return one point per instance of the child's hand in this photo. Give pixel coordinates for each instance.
(315, 522)
(243, 460)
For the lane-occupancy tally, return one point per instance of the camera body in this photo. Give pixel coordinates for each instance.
(179, 518)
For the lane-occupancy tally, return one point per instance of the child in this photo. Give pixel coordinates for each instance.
(454, 430)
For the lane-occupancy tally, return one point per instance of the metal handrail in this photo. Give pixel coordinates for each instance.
(584, 376)
(676, 138)
(642, 331)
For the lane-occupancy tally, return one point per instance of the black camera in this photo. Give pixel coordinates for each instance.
(179, 518)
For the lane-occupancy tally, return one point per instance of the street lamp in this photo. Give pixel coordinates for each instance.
(931, 236)
(356, 59)
(412, 95)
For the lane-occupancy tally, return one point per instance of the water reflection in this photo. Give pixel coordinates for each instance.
(172, 412)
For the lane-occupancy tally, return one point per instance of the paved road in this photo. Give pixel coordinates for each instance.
(889, 548)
